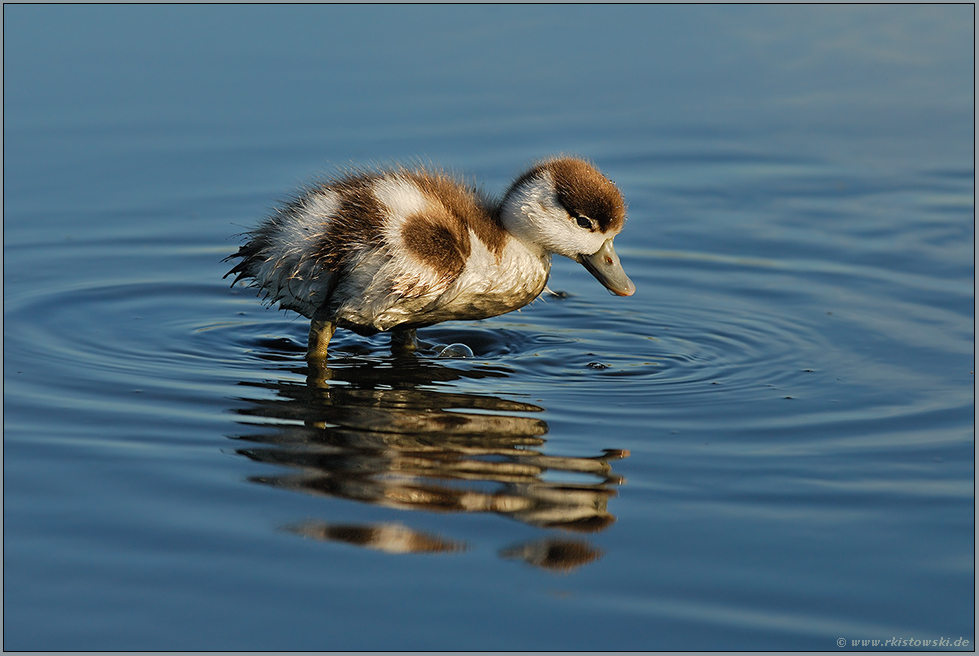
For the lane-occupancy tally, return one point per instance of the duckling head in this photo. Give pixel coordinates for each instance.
(566, 206)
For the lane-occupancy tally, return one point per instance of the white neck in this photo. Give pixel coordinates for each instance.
(526, 211)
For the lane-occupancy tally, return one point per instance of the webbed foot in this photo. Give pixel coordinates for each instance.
(320, 333)
(404, 341)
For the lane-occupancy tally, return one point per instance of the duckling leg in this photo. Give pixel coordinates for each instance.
(404, 340)
(320, 332)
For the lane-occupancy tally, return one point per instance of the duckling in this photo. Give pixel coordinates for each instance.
(404, 248)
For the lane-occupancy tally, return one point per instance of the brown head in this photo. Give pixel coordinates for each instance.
(566, 206)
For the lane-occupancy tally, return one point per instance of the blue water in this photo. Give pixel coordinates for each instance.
(769, 446)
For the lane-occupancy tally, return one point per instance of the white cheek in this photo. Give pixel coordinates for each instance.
(561, 235)
(591, 242)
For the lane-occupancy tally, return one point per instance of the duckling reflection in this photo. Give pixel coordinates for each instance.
(342, 435)
(555, 555)
(389, 538)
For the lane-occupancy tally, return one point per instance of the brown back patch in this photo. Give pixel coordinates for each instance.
(467, 204)
(438, 239)
(356, 225)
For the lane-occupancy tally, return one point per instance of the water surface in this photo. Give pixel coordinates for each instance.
(769, 446)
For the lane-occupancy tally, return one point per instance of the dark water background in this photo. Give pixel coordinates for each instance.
(770, 446)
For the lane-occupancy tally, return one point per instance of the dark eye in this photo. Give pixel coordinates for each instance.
(584, 222)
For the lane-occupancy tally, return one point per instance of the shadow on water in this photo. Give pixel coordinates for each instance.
(375, 431)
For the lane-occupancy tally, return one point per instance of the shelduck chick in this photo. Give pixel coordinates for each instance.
(401, 249)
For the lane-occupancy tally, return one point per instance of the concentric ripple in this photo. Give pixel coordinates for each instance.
(160, 330)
